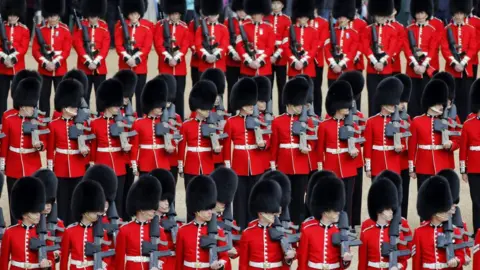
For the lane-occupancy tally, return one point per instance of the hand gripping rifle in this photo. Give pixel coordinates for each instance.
(269, 113)
(357, 118)
(2, 224)
(210, 241)
(286, 220)
(6, 44)
(95, 249)
(207, 39)
(77, 131)
(118, 130)
(209, 130)
(39, 244)
(300, 128)
(249, 46)
(347, 133)
(52, 221)
(446, 240)
(150, 249)
(335, 50)
(391, 249)
(88, 45)
(44, 48)
(114, 221)
(344, 239)
(32, 127)
(128, 43)
(417, 53)
(252, 122)
(457, 221)
(376, 47)
(170, 224)
(452, 116)
(296, 47)
(163, 129)
(168, 41)
(453, 47)
(285, 237)
(392, 129)
(228, 227)
(442, 125)
(231, 28)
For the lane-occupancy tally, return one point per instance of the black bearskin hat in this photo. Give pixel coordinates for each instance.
(168, 184)
(302, 8)
(202, 96)
(417, 6)
(310, 87)
(23, 74)
(449, 80)
(78, 75)
(317, 176)
(28, 196)
(211, 7)
(52, 8)
(397, 4)
(14, 7)
(50, 182)
(388, 92)
(258, 7)
(154, 95)
(129, 80)
(435, 92)
(396, 180)
(144, 194)
(463, 6)
(201, 194)
(344, 8)
(171, 86)
(226, 181)
(453, 182)
(244, 93)
(381, 196)
(380, 7)
(358, 5)
(94, 8)
(109, 94)
(87, 197)
(295, 92)
(434, 197)
(339, 96)
(27, 93)
(69, 94)
(264, 87)
(216, 76)
(284, 183)
(475, 96)
(356, 80)
(407, 87)
(265, 197)
(172, 6)
(131, 6)
(106, 177)
(236, 5)
(319, 4)
(327, 195)
(196, 6)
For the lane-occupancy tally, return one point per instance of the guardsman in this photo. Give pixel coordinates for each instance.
(201, 197)
(380, 151)
(301, 57)
(173, 49)
(314, 179)
(382, 204)
(427, 153)
(401, 38)
(380, 53)
(459, 62)
(257, 249)
(212, 52)
(334, 153)
(78, 75)
(256, 48)
(65, 156)
(18, 36)
(474, 21)
(280, 23)
(20, 155)
(287, 153)
(105, 148)
(434, 204)
(134, 56)
(316, 249)
(264, 87)
(341, 57)
(57, 46)
(88, 202)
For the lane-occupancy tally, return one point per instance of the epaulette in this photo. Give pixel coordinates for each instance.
(353, 30)
(267, 23)
(186, 224)
(308, 219)
(412, 24)
(421, 115)
(368, 228)
(188, 120)
(11, 115)
(373, 116)
(321, 18)
(391, 26)
(148, 28)
(247, 22)
(103, 21)
(469, 120)
(22, 25)
(125, 224)
(285, 15)
(233, 116)
(309, 225)
(64, 26)
(72, 225)
(56, 119)
(103, 28)
(12, 226)
(251, 227)
(429, 25)
(467, 24)
(221, 24)
(183, 23)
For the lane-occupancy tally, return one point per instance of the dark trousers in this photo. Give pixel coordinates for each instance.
(421, 178)
(474, 183)
(129, 179)
(65, 189)
(330, 82)
(10, 182)
(415, 104)
(406, 188)
(194, 75)
(317, 91)
(93, 81)
(349, 183)
(372, 82)
(475, 71)
(240, 202)
(299, 184)
(187, 178)
(357, 198)
(179, 98)
(46, 91)
(119, 198)
(174, 171)
(280, 73)
(462, 97)
(112, 17)
(233, 73)
(142, 79)
(5, 81)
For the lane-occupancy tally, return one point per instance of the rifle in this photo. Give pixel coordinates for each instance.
(44, 48)
(168, 41)
(127, 39)
(314, 117)
(6, 43)
(118, 130)
(172, 119)
(163, 129)
(376, 48)
(356, 118)
(207, 39)
(52, 221)
(347, 133)
(404, 117)
(95, 249)
(228, 227)
(453, 46)
(32, 127)
(210, 241)
(39, 244)
(457, 221)
(296, 47)
(114, 221)
(452, 115)
(269, 113)
(2, 224)
(76, 132)
(417, 52)
(209, 130)
(335, 50)
(300, 128)
(252, 122)
(442, 124)
(249, 47)
(390, 249)
(170, 224)
(88, 45)
(392, 129)
(446, 242)
(279, 234)
(286, 220)
(150, 249)
(231, 27)
(344, 239)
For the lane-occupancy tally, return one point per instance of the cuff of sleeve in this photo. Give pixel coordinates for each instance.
(273, 165)
(50, 164)
(411, 167)
(2, 164)
(463, 167)
(368, 165)
(320, 166)
(227, 164)
(134, 165)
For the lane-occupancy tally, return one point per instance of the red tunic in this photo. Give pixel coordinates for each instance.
(469, 146)
(347, 42)
(387, 39)
(476, 254)
(407, 233)
(465, 37)
(399, 46)
(307, 39)
(280, 23)
(195, 60)
(323, 32)
(360, 25)
(220, 34)
(173, 158)
(180, 38)
(236, 21)
(475, 22)
(142, 36)
(428, 42)
(19, 37)
(170, 261)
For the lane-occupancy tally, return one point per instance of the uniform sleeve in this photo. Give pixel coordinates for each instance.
(120, 250)
(472, 49)
(103, 53)
(463, 150)
(323, 35)
(198, 38)
(93, 148)
(417, 252)
(459, 253)
(367, 147)
(36, 51)
(455, 139)
(227, 146)
(5, 254)
(446, 53)
(135, 143)
(351, 51)
(182, 146)
(147, 45)
(392, 43)
(313, 48)
(119, 47)
(327, 50)
(412, 145)
(286, 45)
(224, 41)
(65, 250)
(321, 145)
(22, 47)
(302, 252)
(366, 42)
(66, 47)
(270, 49)
(406, 46)
(400, 40)
(179, 251)
(158, 39)
(78, 45)
(222, 256)
(363, 253)
(51, 143)
(274, 141)
(435, 44)
(475, 253)
(244, 252)
(6, 140)
(185, 43)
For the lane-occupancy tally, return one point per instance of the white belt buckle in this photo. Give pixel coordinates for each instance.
(198, 265)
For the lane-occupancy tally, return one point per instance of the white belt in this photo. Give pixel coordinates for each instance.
(435, 265)
(80, 264)
(289, 145)
(336, 151)
(474, 148)
(152, 146)
(109, 149)
(430, 147)
(22, 150)
(383, 147)
(25, 265)
(138, 259)
(323, 266)
(196, 265)
(379, 265)
(199, 149)
(265, 265)
(67, 151)
(246, 147)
